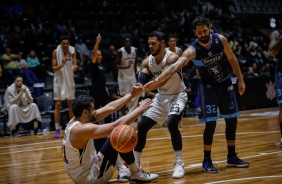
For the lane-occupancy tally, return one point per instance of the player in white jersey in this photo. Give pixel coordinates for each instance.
(64, 63)
(83, 162)
(126, 63)
(169, 102)
(172, 45)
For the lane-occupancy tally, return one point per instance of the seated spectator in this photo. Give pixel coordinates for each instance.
(35, 65)
(83, 57)
(9, 62)
(19, 104)
(24, 70)
(250, 73)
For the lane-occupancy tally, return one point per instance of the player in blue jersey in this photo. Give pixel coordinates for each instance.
(212, 57)
(275, 51)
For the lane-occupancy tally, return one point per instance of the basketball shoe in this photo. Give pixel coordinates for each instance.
(209, 166)
(179, 170)
(123, 174)
(57, 133)
(234, 161)
(142, 177)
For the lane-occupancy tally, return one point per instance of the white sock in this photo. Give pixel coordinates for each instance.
(137, 156)
(35, 124)
(178, 155)
(57, 125)
(133, 167)
(101, 155)
(119, 164)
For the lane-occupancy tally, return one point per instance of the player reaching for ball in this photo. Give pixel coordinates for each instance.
(82, 162)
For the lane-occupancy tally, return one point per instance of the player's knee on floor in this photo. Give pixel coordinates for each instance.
(209, 131)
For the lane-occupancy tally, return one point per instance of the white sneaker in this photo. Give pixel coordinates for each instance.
(123, 174)
(179, 170)
(142, 177)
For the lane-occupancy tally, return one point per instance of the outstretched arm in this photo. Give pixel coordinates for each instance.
(173, 67)
(95, 49)
(115, 105)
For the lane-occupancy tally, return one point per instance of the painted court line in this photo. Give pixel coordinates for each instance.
(244, 179)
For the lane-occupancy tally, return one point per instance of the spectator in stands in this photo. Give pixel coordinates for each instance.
(10, 62)
(20, 106)
(35, 65)
(83, 57)
(23, 69)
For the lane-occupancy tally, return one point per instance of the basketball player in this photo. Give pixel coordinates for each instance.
(208, 53)
(64, 63)
(126, 64)
(169, 102)
(82, 162)
(172, 45)
(276, 51)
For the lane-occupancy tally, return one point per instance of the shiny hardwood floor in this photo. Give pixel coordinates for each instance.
(38, 159)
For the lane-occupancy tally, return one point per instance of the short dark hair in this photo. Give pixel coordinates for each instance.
(127, 35)
(80, 103)
(18, 76)
(200, 21)
(160, 35)
(64, 37)
(171, 36)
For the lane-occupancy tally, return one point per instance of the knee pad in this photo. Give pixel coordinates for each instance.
(231, 127)
(209, 131)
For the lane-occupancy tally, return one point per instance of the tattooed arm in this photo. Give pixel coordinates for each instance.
(174, 65)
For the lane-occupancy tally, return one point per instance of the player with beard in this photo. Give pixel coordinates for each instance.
(169, 102)
(210, 53)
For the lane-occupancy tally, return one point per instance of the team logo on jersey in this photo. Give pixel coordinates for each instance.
(210, 53)
(270, 91)
(216, 40)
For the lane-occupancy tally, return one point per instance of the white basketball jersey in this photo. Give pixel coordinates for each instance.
(177, 50)
(78, 162)
(175, 84)
(129, 73)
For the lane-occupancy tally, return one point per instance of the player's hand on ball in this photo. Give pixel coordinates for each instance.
(145, 104)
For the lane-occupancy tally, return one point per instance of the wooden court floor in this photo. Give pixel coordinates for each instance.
(38, 159)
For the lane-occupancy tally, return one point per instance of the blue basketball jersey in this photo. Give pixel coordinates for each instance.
(211, 64)
(279, 55)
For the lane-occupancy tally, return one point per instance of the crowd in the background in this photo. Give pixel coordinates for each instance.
(31, 26)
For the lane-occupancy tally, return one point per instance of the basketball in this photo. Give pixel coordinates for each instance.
(123, 138)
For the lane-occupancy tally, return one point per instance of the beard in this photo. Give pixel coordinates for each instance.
(92, 118)
(157, 51)
(204, 39)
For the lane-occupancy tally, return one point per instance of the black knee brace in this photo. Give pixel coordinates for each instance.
(230, 130)
(172, 123)
(209, 131)
(144, 126)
